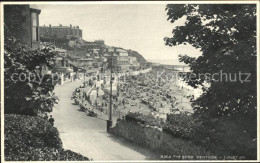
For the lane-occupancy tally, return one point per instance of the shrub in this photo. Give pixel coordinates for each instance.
(30, 131)
(181, 125)
(32, 138)
(227, 137)
(143, 119)
(31, 95)
(46, 154)
(220, 136)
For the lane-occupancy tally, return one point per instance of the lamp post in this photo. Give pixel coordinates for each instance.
(109, 121)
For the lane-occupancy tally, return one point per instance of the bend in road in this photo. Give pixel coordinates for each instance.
(87, 135)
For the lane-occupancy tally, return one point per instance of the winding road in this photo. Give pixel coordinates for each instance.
(87, 135)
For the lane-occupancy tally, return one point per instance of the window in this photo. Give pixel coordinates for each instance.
(34, 19)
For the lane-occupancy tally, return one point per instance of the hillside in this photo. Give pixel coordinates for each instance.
(138, 56)
(81, 47)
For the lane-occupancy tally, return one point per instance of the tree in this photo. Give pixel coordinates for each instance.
(27, 91)
(226, 36)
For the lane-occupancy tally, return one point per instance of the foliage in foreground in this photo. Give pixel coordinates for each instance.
(27, 91)
(226, 36)
(29, 138)
(222, 137)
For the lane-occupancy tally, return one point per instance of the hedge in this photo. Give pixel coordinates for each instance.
(45, 154)
(143, 119)
(181, 125)
(32, 138)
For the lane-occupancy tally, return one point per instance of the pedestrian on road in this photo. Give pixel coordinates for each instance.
(51, 120)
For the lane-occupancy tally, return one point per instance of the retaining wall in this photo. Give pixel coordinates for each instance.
(157, 140)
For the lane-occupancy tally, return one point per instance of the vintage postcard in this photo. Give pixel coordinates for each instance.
(130, 81)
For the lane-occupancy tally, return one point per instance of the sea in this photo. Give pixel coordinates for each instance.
(167, 62)
(194, 91)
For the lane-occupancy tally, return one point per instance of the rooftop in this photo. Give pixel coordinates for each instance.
(60, 26)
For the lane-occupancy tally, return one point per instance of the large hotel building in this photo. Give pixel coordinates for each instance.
(60, 31)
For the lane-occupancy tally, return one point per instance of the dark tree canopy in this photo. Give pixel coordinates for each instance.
(226, 35)
(32, 93)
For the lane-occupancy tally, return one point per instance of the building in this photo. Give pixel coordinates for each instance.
(93, 47)
(122, 52)
(131, 60)
(85, 63)
(62, 65)
(114, 62)
(64, 68)
(101, 42)
(111, 57)
(61, 52)
(66, 32)
(120, 58)
(106, 55)
(22, 22)
(95, 51)
(123, 60)
(123, 63)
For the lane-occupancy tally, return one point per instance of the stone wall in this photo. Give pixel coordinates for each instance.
(157, 140)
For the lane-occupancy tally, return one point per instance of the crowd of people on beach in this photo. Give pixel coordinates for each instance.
(147, 93)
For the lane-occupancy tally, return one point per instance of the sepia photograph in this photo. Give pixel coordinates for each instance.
(130, 81)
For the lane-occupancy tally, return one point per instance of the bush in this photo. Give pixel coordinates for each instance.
(46, 154)
(227, 137)
(30, 131)
(31, 95)
(143, 119)
(31, 138)
(181, 126)
(220, 136)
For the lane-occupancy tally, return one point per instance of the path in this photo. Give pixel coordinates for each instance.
(87, 135)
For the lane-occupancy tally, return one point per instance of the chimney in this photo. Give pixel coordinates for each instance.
(70, 26)
(78, 27)
(60, 25)
(49, 25)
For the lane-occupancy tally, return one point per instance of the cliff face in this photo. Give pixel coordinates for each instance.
(138, 56)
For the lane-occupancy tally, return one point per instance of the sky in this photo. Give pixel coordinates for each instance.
(139, 27)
